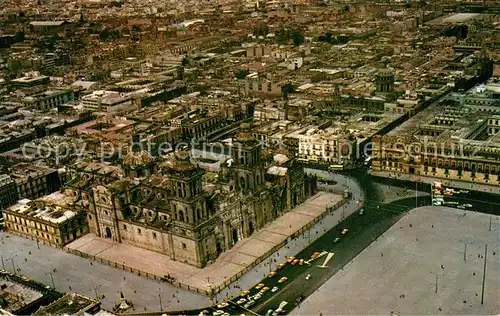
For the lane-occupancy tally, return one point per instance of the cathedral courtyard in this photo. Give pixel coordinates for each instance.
(229, 267)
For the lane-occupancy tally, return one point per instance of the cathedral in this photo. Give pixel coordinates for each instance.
(171, 206)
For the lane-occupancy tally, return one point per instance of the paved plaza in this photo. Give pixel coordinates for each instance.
(398, 272)
(390, 194)
(79, 275)
(232, 262)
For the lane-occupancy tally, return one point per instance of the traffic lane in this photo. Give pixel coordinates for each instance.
(349, 246)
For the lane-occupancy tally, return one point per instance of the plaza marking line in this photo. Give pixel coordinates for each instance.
(327, 259)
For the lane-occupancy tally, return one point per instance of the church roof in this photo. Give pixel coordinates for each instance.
(180, 162)
(134, 159)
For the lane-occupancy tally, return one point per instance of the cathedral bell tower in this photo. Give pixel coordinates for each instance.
(247, 164)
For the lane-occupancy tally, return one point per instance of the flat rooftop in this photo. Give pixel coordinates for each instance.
(398, 271)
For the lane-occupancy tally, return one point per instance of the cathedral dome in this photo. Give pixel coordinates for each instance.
(135, 159)
(179, 163)
(244, 135)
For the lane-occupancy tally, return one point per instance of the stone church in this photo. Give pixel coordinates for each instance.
(169, 205)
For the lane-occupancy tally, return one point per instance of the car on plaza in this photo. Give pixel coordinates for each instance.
(218, 313)
(244, 293)
(257, 296)
(259, 286)
(275, 289)
(345, 231)
(283, 280)
(264, 290)
(249, 304)
(241, 301)
(301, 262)
(222, 305)
(336, 240)
(294, 262)
(290, 259)
(271, 274)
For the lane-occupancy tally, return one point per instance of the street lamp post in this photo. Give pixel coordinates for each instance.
(159, 296)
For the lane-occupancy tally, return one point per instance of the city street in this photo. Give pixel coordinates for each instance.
(363, 230)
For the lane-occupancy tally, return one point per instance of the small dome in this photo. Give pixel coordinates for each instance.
(244, 135)
(180, 162)
(134, 159)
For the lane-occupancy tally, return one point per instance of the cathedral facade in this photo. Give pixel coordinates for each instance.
(166, 204)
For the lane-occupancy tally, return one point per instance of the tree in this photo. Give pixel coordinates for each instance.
(242, 74)
(297, 38)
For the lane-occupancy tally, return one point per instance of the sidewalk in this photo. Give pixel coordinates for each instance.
(247, 255)
(452, 183)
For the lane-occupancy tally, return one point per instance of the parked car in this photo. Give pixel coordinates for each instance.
(336, 240)
(275, 289)
(283, 280)
(245, 293)
(290, 259)
(345, 231)
(264, 290)
(294, 262)
(308, 277)
(271, 274)
(222, 305)
(301, 262)
(241, 301)
(259, 286)
(218, 313)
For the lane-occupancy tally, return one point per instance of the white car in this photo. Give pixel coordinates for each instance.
(336, 240)
(308, 277)
(275, 289)
(345, 231)
(257, 296)
(218, 313)
(222, 305)
(241, 301)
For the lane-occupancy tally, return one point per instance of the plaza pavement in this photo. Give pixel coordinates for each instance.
(232, 262)
(398, 272)
(76, 274)
(89, 278)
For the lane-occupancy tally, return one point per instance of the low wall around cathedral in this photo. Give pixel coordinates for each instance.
(230, 266)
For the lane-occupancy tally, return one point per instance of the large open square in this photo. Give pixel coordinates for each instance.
(398, 272)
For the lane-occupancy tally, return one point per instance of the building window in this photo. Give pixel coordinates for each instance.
(124, 227)
(184, 246)
(139, 231)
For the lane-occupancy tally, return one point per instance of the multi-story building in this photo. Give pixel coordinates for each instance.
(55, 219)
(8, 192)
(49, 99)
(33, 181)
(164, 205)
(450, 142)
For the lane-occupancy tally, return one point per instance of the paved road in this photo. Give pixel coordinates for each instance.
(298, 244)
(76, 274)
(88, 279)
(398, 272)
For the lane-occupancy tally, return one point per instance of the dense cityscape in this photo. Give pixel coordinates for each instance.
(302, 157)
